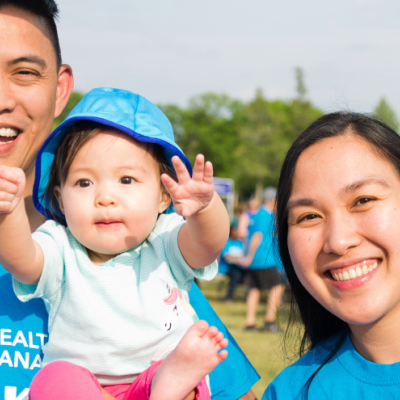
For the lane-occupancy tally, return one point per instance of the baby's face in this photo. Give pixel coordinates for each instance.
(112, 195)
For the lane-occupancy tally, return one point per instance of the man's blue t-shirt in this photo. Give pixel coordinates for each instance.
(346, 376)
(23, 331)
(263, 221)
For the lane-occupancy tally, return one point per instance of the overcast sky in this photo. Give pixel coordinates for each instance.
(170, 50)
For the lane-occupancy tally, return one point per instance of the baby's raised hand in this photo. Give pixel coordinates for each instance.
(12, 186)
(190, 195)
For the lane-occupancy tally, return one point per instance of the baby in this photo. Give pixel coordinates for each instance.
(114, 263)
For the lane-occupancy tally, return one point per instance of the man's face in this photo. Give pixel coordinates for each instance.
(32, 89)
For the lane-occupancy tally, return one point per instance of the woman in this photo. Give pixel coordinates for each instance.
(338, 228)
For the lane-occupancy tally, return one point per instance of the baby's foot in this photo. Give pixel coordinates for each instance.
(195, 356)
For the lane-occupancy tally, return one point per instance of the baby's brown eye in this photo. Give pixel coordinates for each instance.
(126, 180)
(84, 183)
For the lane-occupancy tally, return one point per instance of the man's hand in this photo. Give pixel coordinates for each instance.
(12, 186)
(190, 195)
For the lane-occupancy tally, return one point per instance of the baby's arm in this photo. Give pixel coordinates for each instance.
(204, 235)
(19, 253)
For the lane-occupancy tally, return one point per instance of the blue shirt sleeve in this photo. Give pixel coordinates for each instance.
(235, 376)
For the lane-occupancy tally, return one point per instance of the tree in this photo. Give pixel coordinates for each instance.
(207, 126)
(300, 87)
(72, 102)
(386, 114)
(245, 141)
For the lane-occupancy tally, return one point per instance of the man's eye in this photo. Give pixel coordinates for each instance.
(27, 72)
(126, 180)
(84, 183)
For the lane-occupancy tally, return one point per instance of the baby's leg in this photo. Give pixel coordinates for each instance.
(62, 380)
(195, 357)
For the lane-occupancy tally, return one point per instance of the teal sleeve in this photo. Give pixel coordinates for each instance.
(235, 376)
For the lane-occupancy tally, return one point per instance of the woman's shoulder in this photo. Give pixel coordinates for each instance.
(289, 384)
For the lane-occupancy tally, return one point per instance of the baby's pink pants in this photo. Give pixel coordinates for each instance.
(62, 380)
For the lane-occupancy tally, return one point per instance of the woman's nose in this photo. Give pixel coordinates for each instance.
(341, 234)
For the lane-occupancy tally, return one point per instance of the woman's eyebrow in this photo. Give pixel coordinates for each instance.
(299, 203)
(348, 189)
(363, 182)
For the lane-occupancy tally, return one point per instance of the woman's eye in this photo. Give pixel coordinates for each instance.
(363, 200)
(126, 180)
(307, 217)
(84, 183)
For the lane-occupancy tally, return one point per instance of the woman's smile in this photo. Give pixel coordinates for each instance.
(357, 270)
(344, 225)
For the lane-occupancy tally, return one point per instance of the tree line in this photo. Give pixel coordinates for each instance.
(246, 141)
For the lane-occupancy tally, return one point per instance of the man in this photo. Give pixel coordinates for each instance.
(262, 263)
(34, 88)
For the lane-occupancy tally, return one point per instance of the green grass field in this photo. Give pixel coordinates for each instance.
(264, 349)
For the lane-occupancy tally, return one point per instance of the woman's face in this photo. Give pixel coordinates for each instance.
(344, 229)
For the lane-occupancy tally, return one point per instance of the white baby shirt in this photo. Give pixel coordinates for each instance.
(117, 318)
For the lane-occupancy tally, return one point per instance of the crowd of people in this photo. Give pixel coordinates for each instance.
(108, 305)
(251, 257)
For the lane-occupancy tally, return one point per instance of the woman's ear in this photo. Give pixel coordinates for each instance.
(57, 192)
(165, 201)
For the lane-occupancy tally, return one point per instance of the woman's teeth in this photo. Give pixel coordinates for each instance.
(354, 273)
(8, 133)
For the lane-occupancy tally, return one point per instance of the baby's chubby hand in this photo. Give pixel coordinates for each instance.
(12, 186)
(190, 195)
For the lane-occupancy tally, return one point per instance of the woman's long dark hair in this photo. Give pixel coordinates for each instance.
(319, 323)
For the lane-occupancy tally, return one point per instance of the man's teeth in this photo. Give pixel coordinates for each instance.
(354, 273)
(8, 132)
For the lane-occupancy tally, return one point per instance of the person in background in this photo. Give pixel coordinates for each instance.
(243, 216)
(231, 254)
(262, 264)
(34, 88)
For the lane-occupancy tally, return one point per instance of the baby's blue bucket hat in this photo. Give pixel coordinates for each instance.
(119, 109)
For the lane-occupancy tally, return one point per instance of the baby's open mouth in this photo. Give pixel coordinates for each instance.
(357, 270)
(8, 135)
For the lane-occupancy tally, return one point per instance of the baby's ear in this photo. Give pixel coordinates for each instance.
(57, 193)
(165, 201)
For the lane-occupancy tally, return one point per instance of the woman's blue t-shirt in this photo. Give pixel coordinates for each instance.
(346, 376)
(23, 331)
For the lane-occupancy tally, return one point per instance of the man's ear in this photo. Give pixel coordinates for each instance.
(165, 201)
(57, 192)
(65, 85)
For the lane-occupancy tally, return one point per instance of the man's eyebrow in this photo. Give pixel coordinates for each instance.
(363, 182)
(29, 59)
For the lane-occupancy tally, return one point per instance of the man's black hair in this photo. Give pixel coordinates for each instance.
(48, 10)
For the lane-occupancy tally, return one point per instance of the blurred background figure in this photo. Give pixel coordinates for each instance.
(262, 263)
(232, 253)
